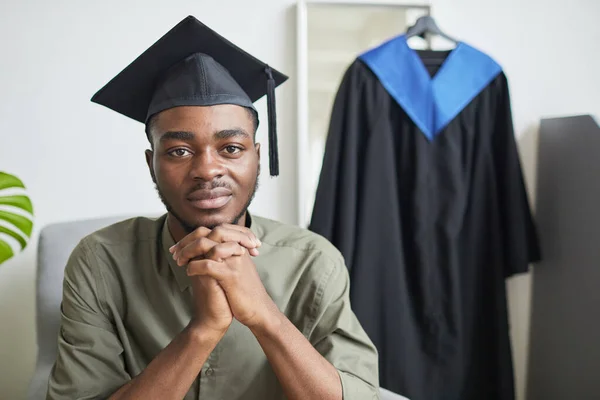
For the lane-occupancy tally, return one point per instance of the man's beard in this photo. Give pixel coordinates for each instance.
(188, 226)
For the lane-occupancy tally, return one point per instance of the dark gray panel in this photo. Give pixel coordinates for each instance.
(564, 359)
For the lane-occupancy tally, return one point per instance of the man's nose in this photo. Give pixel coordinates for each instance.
(207, 166)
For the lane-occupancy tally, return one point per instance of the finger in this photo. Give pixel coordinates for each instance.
(223, 251)
(243, 230)
(227, 233)
(196, 234)
(214, 269)
(253, 252)
(196, 249)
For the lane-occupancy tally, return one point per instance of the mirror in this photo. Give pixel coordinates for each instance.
(331, 35)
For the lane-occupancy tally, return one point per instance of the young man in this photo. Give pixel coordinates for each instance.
(206, 302)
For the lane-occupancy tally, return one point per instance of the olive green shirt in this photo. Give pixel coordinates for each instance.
(125, 299)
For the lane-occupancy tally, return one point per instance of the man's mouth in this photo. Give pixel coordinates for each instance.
(210, 199)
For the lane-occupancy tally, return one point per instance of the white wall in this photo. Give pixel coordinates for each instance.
(80, 160)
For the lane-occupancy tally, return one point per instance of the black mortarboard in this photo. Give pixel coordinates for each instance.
(191, 65)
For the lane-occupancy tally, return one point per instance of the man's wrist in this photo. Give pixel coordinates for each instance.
(270, 325)
(202, 335)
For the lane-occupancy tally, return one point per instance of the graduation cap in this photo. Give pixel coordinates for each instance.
(191, 65)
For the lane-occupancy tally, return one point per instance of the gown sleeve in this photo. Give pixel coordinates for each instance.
(519, 236)
(336, 201)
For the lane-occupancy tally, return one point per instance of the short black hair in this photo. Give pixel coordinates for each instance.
(253, 116)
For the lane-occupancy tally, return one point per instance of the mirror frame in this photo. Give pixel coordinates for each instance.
(303, 145)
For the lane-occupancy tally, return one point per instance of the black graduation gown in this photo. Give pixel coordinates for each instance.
(421, 189)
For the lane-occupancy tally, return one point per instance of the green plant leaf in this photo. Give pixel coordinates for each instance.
(24, 224)
(19, 201)
(8, 181)
(14, 222)
(6, 251)
(14, 235)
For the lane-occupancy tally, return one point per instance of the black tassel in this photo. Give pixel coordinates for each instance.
(272, 116)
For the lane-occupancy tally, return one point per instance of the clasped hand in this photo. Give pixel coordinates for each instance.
(225, 281)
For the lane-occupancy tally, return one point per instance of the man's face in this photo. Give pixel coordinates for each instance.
(204, 163)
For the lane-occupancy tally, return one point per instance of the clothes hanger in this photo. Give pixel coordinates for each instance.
(427, 24)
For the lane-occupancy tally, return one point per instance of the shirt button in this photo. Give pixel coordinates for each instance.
(210, 372)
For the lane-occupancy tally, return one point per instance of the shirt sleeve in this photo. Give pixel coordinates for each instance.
(89, 362)
(340, 338)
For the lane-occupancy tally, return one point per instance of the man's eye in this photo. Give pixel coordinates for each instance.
(179, 152)
(232, 149)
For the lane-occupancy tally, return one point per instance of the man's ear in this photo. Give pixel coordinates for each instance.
(150, 162)
(257, 148)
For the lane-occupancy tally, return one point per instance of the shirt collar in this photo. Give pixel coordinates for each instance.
(183, 280)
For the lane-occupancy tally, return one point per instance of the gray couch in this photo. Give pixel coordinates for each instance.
(55, 245)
